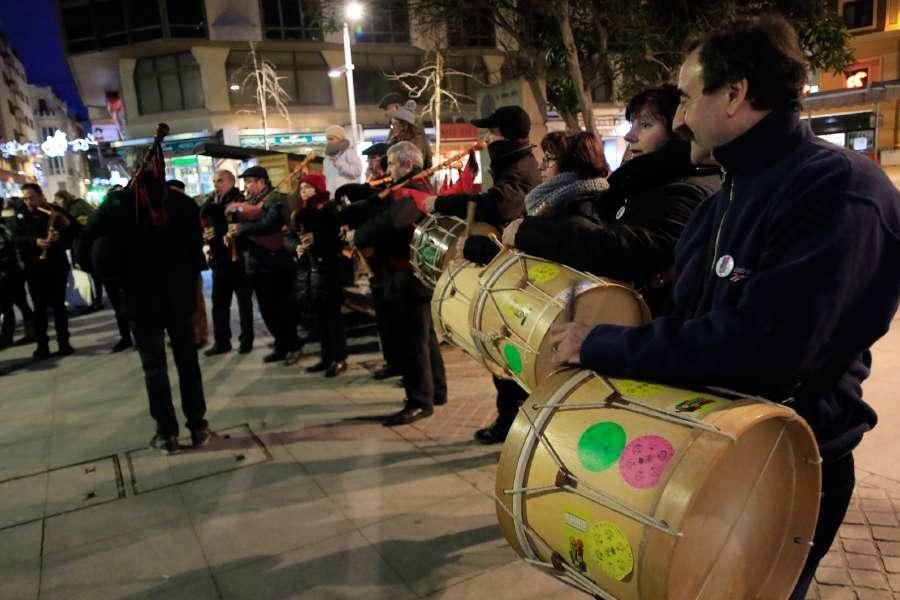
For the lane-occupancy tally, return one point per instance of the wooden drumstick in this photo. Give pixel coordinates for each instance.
(570, 303)
(470, 216)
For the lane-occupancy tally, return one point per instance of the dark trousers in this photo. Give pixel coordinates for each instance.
(510, 396)
(19, 298)
(98, 291)
(383, 320)
(149, 339)
(224, 285)
(329, 321)
(838, 480)
(275, 297)
(420, 354)
(8, 328)
(115, 298)
(48, 291)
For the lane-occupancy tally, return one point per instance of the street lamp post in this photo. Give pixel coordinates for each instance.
(352, 12)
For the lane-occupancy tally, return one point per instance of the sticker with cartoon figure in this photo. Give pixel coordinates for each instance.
(542, 273)
(644, 460)
(513, 358)
(600, 445)
(611, 550)
(515, 310)
(576, 553)
(696, 407)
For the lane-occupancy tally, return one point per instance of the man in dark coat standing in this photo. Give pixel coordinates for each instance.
(43, 232)
(147, 238)
(786, 277)
(515, 172)
(229, 277)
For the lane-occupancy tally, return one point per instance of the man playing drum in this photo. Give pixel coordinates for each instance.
(786, 276)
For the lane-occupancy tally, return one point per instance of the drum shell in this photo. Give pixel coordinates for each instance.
(433, 246)
(744, 508)
(450, 303)
(521, 297)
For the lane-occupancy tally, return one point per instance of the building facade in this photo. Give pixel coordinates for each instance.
(17, 124)
(858, 109)
(68, 171)
(187, 63)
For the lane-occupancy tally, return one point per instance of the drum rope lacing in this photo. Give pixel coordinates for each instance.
(577, 579)
(592, 493)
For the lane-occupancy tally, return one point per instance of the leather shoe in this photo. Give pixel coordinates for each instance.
(495, 434)
(245, 349)
(385, 372)
(216, 350)
(408, 415)
(276, 356)
(42, 353)
(336, 368)
(318, 367)
(440, 401)
(121, 345)
(65, 350)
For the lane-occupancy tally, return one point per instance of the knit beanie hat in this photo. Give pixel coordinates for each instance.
(337, 131)
(407, 112)
(316, 180)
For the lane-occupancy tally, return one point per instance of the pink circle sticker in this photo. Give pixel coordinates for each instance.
(644, 459)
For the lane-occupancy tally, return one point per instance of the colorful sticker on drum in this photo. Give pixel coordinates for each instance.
(513, 358)
(644, 460)
(696, 407)
(611, 550)
(428, 253)
(542, 273)
(576, 553)
(639, 390)
(514, 310)
(600, 445)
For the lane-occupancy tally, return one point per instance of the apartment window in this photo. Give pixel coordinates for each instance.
(471, 33)
(166, 83)
(369, 72)
(43, 109)
(92, 25)
(291, 19)
(858, 14)
(465, 87)
(304, 77)
(385, 22)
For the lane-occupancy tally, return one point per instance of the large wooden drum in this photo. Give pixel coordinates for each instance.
(631, 490)
(520, 297)
(450, 306)
(433, 246)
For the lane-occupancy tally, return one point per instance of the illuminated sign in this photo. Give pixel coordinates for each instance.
(857, 79)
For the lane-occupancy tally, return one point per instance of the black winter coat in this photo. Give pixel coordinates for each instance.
(629, 231)
(259, 258)
(514, 170)
(29, 225)
(157, 267)
(322, 222)
(786, 277)
(212, 213)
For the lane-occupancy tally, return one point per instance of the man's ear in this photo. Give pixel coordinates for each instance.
(737, 93)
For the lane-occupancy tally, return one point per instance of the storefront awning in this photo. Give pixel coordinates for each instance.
(241, 153)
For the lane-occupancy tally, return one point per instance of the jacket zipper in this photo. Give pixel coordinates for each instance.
(715, 256)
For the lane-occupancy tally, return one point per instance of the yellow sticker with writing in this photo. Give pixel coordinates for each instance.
(542, 273)
(639, 390)
(611, 550)
(515, 310)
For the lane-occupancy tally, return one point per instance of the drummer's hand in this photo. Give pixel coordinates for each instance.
(42, 243)
(429, 204)
(509, 234)
(566, 340)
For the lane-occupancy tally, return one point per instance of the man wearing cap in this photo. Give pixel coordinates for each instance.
(229, 277)
(404, 129)
(342, 163)
(515, 172)
(376, 169)
(390, 103)
(263, 224)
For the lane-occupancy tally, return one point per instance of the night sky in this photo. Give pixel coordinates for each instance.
(33, 29)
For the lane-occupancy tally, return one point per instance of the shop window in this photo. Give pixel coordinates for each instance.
(291, 19)
(304, 77)
(858, 14)
(384, 22)
(167, 83)
(370, 83)
(471, 33)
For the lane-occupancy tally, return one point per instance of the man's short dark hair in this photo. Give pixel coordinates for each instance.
(763, 50)
(661, 102)
(177, 184)
(33, 187)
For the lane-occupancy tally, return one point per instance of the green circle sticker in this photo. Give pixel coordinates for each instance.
(428, 253)
(513, 358)
(600, 445)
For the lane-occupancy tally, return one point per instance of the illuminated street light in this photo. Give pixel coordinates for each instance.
(354, 11)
